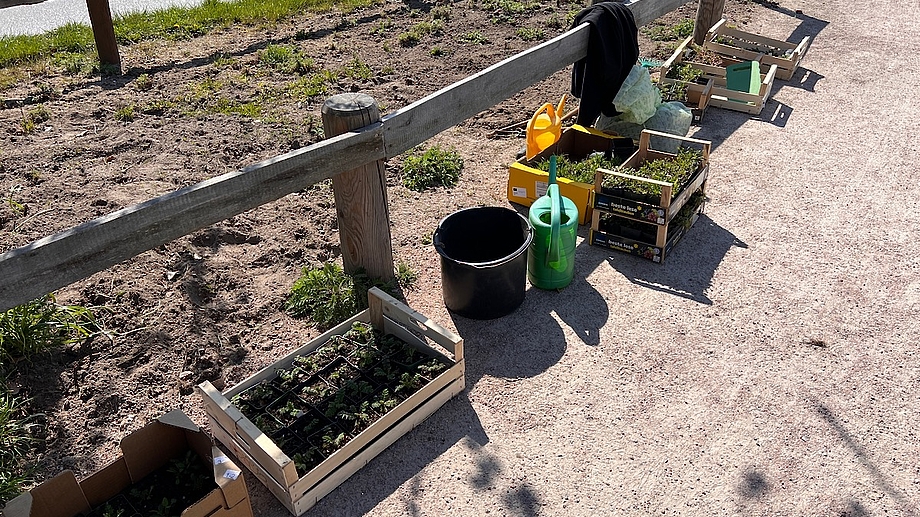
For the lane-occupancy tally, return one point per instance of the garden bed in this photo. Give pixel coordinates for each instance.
(738, 44)
(307, 422)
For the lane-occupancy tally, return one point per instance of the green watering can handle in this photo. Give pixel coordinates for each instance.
(552, 252)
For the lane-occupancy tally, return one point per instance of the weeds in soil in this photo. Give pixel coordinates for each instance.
(530, 33)
(125, 113)
(661, 32)
(40, 325)
(435, 167)
(286, 59)
(328, 295)
(419, 31)
(33, 118)
(474, 38)
(26, 330)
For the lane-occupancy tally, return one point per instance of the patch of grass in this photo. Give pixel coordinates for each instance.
(16, 439)
(419, 31)
(661, 32)
(405, 275)
(33, 118)
(244, 109)
(40, 325)
(530, 33)
(125, 113)
(435, 167)
(441, 12)
(75, 63)
(158, 107)
(506, 11)
(286, 59)
(474, 38)
(383, 26)
(358, 69)
(143, 83)
(314, 85)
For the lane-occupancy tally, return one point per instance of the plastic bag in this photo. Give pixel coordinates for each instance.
(673, 118)
(619, 127)
(638, 98)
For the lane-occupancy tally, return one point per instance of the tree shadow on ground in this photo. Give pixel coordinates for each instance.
(687, 271)
(863, 456)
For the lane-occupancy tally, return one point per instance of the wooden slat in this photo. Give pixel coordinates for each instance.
(52, 262)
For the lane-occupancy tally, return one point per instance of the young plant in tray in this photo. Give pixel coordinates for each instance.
(357, 377)
(582, 170)
(677, 171)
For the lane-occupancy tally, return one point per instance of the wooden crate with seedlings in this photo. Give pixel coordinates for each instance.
(626, 221)
(747, 46)
(298, 490)
(722, 96)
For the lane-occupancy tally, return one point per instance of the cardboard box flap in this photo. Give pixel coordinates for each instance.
(153, 445)
(103, 484)
(229, 478)
(178, 418)
(60, 496)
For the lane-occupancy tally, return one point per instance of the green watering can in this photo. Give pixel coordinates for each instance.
(554, 219)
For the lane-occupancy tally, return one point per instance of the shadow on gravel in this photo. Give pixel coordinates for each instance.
(454, 422)
(687, 272)
(863, 456)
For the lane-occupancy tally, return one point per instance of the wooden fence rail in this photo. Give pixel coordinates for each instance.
(71, 255)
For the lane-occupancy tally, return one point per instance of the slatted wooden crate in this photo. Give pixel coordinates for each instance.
(747, 46)
(658, 216)
(722, 97)
(299, 491)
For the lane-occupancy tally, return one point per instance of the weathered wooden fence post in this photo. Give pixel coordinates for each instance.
(100, 17)
(707, 14)
(360, 194)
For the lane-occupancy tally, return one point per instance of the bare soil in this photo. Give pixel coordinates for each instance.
(209, 306)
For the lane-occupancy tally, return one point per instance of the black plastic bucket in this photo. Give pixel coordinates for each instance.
(483, 260)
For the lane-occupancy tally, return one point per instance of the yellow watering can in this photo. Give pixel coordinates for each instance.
(545, 128)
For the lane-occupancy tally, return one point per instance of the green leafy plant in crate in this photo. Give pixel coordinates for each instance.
(582, 170)
(677, 171)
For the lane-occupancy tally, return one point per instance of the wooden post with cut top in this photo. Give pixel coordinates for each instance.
(707, 14)
(360, 194)
(100, 17)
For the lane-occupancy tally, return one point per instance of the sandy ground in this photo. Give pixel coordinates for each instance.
(768, 368)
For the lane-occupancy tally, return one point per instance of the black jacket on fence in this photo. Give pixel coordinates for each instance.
(613, 48)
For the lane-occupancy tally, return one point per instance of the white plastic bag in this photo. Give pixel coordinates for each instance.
(638, 98)
(673, 118)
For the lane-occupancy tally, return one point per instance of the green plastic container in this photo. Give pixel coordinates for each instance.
(554, 219)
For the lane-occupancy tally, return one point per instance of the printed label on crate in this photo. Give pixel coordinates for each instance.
(628, 207)
(519, 192)
(541, 187)
(614, 242)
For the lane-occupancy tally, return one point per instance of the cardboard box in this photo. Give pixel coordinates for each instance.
(748, 46)
(142, 452)
(299, 491)
(721, 96)
(526, 184)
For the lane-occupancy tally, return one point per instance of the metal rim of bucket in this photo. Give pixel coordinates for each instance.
(438, 245)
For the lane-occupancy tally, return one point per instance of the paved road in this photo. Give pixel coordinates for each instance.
(50, 14)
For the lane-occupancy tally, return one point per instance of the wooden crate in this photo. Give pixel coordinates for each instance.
(747, 46)
(721, 96)
(659, 215)
(299, 491)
